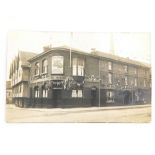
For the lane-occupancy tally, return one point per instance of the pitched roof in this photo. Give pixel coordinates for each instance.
(97, 54)
(25, 56)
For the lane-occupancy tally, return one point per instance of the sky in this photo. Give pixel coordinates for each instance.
(135, 46)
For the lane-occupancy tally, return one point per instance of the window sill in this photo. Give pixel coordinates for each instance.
(44, 73)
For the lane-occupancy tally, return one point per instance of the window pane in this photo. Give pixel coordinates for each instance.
(109, 78)
(74, 93)
(79, 93)
(74, 70)
(110, 65)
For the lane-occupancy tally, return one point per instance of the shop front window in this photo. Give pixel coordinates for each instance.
(110, 96)
(36, 92)
(77, 93)
(44, 93)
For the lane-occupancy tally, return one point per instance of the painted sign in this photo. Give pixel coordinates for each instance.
(57, 64)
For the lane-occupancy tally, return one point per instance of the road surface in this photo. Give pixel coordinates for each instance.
(127, 114)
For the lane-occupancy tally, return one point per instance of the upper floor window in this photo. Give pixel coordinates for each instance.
(126, 80)
(57, 64)
(109, 78)
(135, 82)
(78, 67)
(109, 65)
(126, 68)
(44, 66)
(145, 72)
(37, 68)
(135, 70)
(144, 82)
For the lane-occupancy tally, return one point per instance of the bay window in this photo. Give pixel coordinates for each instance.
(110, 96)
(78, 67)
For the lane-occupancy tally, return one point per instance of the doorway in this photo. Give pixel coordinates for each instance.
(57, 96)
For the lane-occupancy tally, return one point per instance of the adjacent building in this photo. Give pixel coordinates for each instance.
(19, 75)
(8, 92)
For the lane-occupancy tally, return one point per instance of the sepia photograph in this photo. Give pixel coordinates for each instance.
(78, 77)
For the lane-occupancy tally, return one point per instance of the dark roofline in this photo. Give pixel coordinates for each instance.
(107, 56)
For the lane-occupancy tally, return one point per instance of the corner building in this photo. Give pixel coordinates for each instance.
(64, 77)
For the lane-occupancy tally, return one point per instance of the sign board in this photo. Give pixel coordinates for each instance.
(57, 64)
(57, 84)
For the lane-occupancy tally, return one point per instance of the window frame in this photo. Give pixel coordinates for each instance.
(57, 73)
(109, 65)
(44, 66)
(78, 66)
(110, 78)
(36, 92)
(37, 68)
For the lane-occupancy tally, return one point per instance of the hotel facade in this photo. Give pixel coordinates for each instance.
(65, 77)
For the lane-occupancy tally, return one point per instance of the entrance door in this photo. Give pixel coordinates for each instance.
(93, 96)
(57, 93)
(127, 97)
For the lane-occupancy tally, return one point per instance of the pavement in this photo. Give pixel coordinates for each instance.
(82, 109)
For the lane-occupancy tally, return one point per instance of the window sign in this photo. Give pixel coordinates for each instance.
(57, 64)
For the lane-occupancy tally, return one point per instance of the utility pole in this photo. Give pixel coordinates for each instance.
(99, 86)
(70, 57)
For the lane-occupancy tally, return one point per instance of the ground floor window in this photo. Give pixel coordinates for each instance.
(110, 96)
(36, 92)
(77, 93)
(44, 93)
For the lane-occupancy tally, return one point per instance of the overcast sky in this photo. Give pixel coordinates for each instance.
(133, 45)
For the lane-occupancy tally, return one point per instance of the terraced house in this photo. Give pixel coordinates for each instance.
(67, 77)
